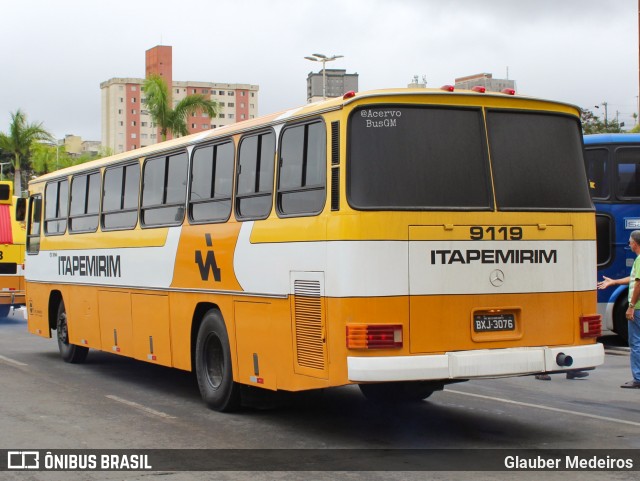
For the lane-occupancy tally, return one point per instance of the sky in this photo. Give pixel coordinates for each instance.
(55, 53)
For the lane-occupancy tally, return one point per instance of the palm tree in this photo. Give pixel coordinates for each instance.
(19, 141)
(174, 120)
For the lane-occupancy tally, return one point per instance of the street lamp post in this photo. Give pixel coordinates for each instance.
(318, 57)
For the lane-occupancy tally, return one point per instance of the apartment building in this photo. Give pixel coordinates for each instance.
(127, 125)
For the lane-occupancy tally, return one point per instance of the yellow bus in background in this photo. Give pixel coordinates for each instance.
(12, 242)
(396, 239)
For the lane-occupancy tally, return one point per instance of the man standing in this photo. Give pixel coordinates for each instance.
(633, 312)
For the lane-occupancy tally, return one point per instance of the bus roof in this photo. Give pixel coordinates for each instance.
(265, 121)
(593, 139)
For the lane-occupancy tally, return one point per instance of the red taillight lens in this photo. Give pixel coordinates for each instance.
(374, 336)
(447, 88)
(479, 89)
(591, 326)
(508, 91)
(349, 95)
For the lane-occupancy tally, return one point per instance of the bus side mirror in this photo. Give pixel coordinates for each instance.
(21, 209)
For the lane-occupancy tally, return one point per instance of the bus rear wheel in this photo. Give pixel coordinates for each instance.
(398, 392)
(69, 352)
(213, 365)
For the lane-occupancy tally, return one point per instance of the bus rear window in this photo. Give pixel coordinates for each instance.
(537, 161)
(417, 158)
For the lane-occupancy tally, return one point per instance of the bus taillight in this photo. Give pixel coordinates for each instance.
(447, 88)
(591, 326)
(479, 89)
(508, 91)
(374, 336)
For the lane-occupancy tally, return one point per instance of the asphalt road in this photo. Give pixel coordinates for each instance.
(111, 402)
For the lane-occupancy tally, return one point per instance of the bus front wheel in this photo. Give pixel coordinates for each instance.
(69, 352)
(398, 392)
(213, 364)
(620, 322)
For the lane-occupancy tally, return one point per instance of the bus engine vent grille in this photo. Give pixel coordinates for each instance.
(309, 329)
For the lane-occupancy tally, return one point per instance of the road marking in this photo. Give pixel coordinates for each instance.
(547, 408)
(141, 407)
(12, 361)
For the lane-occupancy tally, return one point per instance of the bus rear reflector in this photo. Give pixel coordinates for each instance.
(374, 336)
(591, 326)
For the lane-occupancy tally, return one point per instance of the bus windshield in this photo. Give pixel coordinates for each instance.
(404, 158)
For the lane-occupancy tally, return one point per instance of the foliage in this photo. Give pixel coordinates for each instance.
(19, 141)
(591, 124)
(158, 103)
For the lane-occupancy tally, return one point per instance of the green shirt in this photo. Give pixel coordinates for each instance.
(635, 274)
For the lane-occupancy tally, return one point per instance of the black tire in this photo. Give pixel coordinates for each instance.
(213, 365)
(620, 322)
(398, 392)
(4, 311)
(69, 352)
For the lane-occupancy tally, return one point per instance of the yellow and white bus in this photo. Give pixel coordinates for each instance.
(396, 239)
(12, 239)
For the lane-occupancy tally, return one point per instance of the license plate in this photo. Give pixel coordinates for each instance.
(494, 322)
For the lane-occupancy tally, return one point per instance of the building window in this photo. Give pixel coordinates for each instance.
(232, 116)
(134, 136)
(242, 117)
(134, 111)
(205, 126)
(231, 93)
(193, 126)
(133, 123)
(133, 100)
(232, 104)
(221, 116)
(243, 93)
(134, 88)
(143, 124)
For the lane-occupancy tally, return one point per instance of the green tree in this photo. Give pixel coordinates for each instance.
(19, 141)
(591, 124)
(158, 103)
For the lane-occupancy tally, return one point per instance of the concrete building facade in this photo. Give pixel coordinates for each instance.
(485, 80)
(338, 81)
(127, 125)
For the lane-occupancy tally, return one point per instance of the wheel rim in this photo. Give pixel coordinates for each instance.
(63, 333)
(213, 358)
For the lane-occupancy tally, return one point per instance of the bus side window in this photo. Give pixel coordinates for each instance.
(21, 209)
(164, 189)
(211, 183)
(255, 176)
(33, 228)
(56, 207)
(303, 170)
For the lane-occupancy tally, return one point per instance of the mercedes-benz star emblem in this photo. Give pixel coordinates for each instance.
(496, 278)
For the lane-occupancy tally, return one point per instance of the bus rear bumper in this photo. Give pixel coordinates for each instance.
(472, 364)
(8, 297)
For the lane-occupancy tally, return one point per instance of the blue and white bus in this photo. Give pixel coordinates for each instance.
(613, 168)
